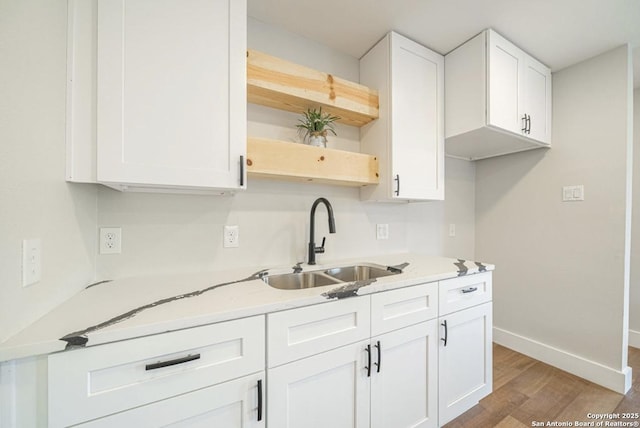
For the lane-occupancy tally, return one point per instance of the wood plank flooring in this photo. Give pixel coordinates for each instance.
(527, 391)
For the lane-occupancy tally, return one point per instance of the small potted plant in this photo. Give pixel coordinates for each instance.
(314, 125)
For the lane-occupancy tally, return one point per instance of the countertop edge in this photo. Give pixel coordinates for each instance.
(44, 347)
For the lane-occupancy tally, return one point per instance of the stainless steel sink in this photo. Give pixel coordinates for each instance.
(319, 278)
(358, 273)
(296, 281)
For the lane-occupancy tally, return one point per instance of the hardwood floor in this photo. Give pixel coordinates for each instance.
(527, 391)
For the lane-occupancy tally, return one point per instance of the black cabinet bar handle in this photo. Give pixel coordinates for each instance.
(162, 364)
(446, 333)
(469, 290)
(241, 170)
(368, 367)
(259, 399)
(397, 179)
(528, 124)
(524, 124)
(379, 363)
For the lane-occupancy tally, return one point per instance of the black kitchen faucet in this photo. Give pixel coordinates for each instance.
(313, 250)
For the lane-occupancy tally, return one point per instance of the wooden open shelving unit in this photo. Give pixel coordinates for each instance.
(274, 82)
(280, 84)
(300, 162)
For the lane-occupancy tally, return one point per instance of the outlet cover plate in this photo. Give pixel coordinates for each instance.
(110, 240)
(231, 237)
(382, 231)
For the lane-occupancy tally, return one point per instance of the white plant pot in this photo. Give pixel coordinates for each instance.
(317, 141)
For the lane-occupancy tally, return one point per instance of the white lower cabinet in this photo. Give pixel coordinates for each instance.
(233, 404)
(416, 357)
(330, 389)
(465, 356)
(147, 376)
(388, 380)
(404, 377)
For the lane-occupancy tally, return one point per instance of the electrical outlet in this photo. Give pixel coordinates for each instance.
(382, 231)
(452, 229)
(110, 240)
(231, 237)
(31, 261)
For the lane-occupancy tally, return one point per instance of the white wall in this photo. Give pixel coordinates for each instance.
(560, 283)
(182, 233)
(35, 201)
(166, 233)
(428, 223)
(634, 294)
(173, 233)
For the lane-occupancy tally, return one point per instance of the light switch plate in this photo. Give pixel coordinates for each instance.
(31, 261)
(573, 193)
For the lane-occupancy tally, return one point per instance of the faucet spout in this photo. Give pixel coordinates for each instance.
(313, 250)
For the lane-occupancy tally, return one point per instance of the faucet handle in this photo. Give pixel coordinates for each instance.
(320, 249)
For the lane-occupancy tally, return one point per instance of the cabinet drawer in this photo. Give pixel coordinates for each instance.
(105, 379)
(232, 404)
(463, 292)
(395, 309)
(302, 332)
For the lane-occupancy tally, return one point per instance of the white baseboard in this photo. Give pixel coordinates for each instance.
(634, 338)
(618, 381)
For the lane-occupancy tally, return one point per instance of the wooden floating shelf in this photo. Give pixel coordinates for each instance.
(299, 162)
(280, 84)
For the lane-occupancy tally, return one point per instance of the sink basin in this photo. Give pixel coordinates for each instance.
(296, 281)
(358, 273)
(319, 278)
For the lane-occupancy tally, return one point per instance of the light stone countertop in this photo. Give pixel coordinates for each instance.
(135, 307)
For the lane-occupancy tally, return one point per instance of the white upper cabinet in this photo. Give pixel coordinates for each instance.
(171, 94)
(408, 137)
(498, 99)
(537, 100)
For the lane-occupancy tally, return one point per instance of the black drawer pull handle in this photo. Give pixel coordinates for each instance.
(397, 179)
(260, 400)
(379, 363)
(241, 171)
(162, 364)
(368, 367)
(469, 290)
(446, 332)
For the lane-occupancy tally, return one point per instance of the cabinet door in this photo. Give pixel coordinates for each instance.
(537, 100)
(417, 120)
(330, 389)
(465, 360)
(404, 385)
(234, 404)
(505, 88)
(171, 93)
